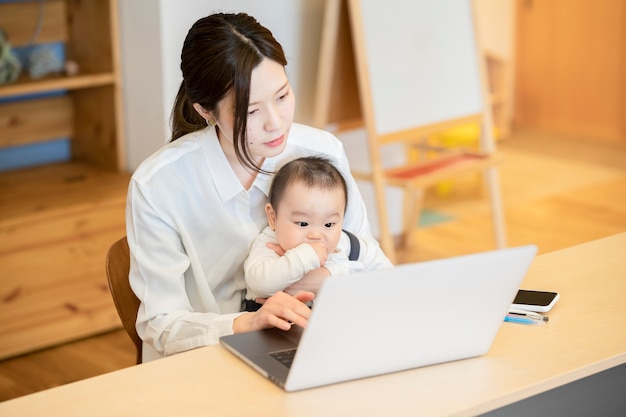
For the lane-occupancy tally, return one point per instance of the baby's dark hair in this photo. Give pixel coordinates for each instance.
(312, 171)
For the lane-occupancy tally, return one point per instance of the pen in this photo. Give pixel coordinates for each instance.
(527, 314)
(526, 318)
(523, 320)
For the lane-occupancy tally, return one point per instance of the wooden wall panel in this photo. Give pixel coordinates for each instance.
(570, 70)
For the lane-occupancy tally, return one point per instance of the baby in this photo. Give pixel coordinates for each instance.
(305, 215)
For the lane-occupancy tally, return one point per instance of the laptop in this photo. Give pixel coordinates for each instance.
(389, 320)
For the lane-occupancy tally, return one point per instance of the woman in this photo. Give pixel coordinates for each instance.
(197, 204)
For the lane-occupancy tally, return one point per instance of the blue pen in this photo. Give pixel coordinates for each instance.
(523, 320)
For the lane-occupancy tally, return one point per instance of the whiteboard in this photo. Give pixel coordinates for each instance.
(421, 59)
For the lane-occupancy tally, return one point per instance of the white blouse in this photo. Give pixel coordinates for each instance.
(190, 224)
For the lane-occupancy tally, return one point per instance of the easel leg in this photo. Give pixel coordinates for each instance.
(497, 212)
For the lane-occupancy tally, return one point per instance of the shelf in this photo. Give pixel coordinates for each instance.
(56, 223)
(49, 310)
(34, 121)
(44, 192)
(24, 85)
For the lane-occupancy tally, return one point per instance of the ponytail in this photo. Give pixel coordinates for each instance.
(184, 119)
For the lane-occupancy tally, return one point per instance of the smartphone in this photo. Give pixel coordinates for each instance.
(539, 301)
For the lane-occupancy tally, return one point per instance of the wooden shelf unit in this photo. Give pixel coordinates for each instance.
(58, 220)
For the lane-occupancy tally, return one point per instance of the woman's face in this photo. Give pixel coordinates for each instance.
(270, 112)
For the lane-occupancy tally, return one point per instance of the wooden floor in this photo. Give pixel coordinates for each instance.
(557, 192)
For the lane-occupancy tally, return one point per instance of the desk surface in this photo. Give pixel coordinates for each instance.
(585, 335)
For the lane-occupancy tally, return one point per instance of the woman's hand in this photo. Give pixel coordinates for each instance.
(281, 310)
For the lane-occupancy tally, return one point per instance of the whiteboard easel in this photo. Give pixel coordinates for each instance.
(418, 72)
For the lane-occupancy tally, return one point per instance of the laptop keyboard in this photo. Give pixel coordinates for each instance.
(284, 356)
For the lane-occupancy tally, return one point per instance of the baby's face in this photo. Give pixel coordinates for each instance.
(307, 215)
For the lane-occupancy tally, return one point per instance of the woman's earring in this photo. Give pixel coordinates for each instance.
(210, 122)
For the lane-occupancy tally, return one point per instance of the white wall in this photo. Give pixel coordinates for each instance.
(142, 78)
(152, 34)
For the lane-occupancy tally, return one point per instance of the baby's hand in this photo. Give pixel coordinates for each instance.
(276, 248)
(321, 251)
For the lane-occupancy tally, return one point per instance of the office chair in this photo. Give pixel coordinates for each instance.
(126, 302)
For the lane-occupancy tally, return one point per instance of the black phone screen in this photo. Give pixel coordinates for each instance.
(536, 298)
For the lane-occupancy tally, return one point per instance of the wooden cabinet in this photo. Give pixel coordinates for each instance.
(571, 68)
(58, 220)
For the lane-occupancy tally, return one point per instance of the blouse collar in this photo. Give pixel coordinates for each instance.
(226, 182)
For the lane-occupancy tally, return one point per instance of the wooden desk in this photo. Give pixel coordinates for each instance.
(586, 335)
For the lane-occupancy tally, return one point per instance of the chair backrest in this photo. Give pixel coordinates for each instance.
(126, 302)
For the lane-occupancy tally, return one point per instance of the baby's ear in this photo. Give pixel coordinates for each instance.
(271, 216)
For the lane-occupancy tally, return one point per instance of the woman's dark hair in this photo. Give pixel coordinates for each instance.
(312, 171)
(218, 56)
